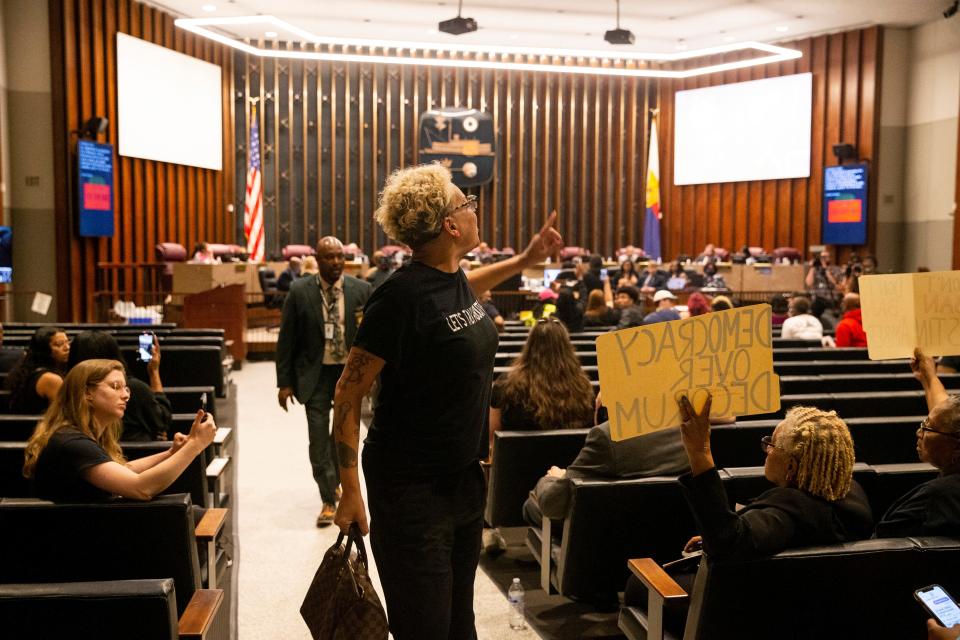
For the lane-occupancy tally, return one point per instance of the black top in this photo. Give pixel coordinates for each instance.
(592, 281)
(28, 402)
(9, 357)
(57, 475)
(606, 319)
(439, 346)
(148, 416)
(513, 417)
(929, 509)
(778, 519)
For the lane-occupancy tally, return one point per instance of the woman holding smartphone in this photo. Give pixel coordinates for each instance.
(74, 454)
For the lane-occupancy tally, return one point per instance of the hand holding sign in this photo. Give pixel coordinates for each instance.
(695, 434)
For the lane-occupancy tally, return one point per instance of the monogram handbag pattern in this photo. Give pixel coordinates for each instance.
(341, 602)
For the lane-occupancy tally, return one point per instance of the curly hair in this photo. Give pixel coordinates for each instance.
(37, 357)
(413, 203)
(820, 443)
(547, 378)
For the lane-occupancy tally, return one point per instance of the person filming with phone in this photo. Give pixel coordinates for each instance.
(148, 415)
(74, 453)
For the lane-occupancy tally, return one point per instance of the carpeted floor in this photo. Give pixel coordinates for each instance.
(551, 616)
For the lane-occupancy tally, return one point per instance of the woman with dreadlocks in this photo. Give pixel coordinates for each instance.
(809, 458)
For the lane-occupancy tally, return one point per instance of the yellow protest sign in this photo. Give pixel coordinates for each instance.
(644, 369)
(907, 310)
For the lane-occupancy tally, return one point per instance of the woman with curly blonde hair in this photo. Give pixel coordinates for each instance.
(432, 345)
(74, 452)
(546, 388)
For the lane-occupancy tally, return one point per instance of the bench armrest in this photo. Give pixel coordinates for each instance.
(198, 617)
(655, 579)
(211, 524)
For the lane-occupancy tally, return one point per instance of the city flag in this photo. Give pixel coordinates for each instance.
(651, 226)
(253, 203)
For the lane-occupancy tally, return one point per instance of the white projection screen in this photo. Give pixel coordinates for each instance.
(168, 105)
(757, 130)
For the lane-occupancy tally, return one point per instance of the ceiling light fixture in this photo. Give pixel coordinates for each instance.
(783, 28)
(577, 59)
(210, 8)
(618, 35)
(459, 25)
(270, 34)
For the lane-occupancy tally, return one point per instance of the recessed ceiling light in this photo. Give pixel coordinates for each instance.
(209, 7)
(783, 28)
(271, 34)
(728, 38)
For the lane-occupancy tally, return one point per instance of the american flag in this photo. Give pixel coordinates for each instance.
(253, 204)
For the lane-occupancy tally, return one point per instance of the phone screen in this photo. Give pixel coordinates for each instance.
(939, 603)
(146, 347)
(603, 274)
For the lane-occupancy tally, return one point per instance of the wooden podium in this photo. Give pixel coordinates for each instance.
(193, 278)
(220, 308)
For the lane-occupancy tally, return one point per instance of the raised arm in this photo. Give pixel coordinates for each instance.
(543, 244)
(925, 370)
(361, 370)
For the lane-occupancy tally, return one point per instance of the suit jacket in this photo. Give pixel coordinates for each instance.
(654, 454)
(658, 280)
(301, 342)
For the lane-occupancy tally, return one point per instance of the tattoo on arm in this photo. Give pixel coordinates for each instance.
(356, 363)
(341, 413)
(347, 455)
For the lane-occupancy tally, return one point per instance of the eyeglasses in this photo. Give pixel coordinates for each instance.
(117, 386)
(766, 443)
(924, 428)
(469, 203)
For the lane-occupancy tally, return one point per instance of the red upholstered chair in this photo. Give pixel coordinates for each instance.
(568, 253)
(298, 250)
(791, 254)
(169, 253)
(220, 250)
(508, 251)
(723, 255)
(756, 251)
(389, 249)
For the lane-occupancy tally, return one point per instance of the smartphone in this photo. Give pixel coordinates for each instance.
(603, 273)
(146, 347)
(939, 605)
(203, 403)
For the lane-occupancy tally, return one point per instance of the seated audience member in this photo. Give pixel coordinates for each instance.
(591, 279)
(9, 356)
(74, 454)
(931, 508)
(288, 275)
(659, 453)
(546, 304)
(849, 332)
(628, 274)
(382, 270)
(815, 501)
(486, 301)
(709, 254)
(309, 266)
(149, 415)
(203, 255)
(801, 325)
(483, 253)
(779, 310)
(597, 313)
(678, 277)
(546, 387)
(36, 379)
(664, 301)
(697, 305)
(711, 279)
(823, 310)
(721, 303)
(569, 311)
(655, 279)
(628, 304)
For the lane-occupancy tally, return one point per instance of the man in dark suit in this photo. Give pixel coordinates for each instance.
(654, 279)
(319, 321)
(288, 275)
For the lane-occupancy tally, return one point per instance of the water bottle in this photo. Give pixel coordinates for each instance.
(515, 594)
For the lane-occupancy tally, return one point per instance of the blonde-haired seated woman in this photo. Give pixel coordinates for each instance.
(815, 501)
(74, 454)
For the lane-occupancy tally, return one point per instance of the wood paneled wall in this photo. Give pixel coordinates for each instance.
(154, 201)
(775, 213)
(332, 132)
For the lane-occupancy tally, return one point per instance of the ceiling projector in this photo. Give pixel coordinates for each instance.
(458, 26)
(619, 36)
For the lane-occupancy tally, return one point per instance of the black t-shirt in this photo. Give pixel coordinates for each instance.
(67, 455)
(148, 414)
(439, 346)
(513, 417)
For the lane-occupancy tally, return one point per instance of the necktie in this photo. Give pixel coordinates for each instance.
(332, 299)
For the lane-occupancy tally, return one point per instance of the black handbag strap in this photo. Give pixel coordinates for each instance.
(354, 537)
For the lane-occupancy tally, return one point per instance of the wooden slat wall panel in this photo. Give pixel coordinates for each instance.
(154, 201)
(771, 213)
(568, 143)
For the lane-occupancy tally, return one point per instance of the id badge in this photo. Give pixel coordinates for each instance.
(328, 331)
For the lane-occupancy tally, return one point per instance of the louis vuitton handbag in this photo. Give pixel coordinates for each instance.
(341, 603)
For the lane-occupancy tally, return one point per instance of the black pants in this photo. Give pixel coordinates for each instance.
(426, 538)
